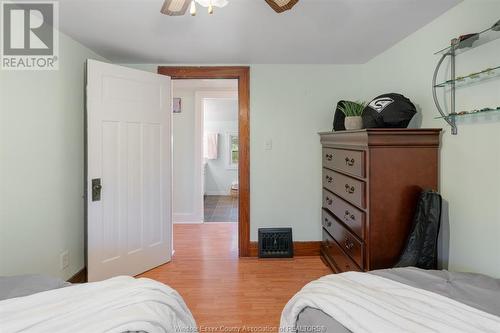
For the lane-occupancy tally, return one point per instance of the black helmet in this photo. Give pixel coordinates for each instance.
(389, 110)
(339, 118)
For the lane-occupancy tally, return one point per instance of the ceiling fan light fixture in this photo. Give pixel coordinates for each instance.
(175, 7)
(179, 7)
(280, 6)
(192, 9)
(213, 3)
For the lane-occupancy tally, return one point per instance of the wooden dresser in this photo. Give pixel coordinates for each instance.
(371, 182)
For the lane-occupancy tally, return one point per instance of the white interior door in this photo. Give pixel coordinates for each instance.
(129, 228)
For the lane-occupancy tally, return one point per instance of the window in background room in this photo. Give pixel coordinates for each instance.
(233, 153)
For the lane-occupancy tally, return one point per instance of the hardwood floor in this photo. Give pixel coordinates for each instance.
(224, 291)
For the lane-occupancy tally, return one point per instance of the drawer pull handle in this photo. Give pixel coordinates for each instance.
(328, 223)
(329, 201)
(349, 215)
(329, 157)
(329, 179)
(349, 189)
(349, 162)
(349, 244)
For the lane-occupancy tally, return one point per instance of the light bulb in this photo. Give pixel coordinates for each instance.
(210, 9)
(192, 10)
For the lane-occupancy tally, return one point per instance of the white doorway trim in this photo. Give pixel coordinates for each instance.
(200, 96)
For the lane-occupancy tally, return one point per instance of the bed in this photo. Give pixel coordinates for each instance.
(25, 285)
(34, 303)
(471, 290)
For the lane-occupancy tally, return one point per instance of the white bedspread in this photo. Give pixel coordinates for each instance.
(119, 304)
(367, 303)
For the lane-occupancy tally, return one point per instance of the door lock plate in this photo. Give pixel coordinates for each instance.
(96, 189)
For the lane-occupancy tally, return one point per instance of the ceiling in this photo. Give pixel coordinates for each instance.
(246, 31)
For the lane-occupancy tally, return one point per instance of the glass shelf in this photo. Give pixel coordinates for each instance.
(471, 114)
(472, 78)
(475, 40)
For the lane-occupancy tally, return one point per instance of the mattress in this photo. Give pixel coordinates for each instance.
(25, 285)
(476, 290)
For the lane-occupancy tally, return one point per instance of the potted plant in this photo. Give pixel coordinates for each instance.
(352, 112)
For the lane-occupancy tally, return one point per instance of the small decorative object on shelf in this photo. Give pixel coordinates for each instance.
(468, 40)
(496, 26)
(460, 45)
(464, 45)
(472, 78)
(353, 112)
(468, 113)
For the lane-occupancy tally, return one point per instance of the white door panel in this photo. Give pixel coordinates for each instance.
(129, 149)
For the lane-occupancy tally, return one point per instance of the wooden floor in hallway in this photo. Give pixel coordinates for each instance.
(224, 291)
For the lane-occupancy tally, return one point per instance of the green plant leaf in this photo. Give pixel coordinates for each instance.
(352, 109)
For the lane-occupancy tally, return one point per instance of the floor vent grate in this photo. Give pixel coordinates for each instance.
(275, 243)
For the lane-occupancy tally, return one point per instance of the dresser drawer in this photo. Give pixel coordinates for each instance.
(335, 254)
(351, 216)
(351, 189)
(348, 242)
(349, 161)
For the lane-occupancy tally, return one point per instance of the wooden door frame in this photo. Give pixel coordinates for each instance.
(242, 74)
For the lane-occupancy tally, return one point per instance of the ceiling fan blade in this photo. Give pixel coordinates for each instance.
(175, 7)
(280, 6)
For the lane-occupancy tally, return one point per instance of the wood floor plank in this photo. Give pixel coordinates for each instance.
(225, 291)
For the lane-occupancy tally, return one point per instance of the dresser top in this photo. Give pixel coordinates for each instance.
(397, 137)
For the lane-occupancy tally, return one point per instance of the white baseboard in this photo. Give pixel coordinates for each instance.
(188, 222)
(217, 193)
(186, 218)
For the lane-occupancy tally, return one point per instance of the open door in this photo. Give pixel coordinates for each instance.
(128, 175)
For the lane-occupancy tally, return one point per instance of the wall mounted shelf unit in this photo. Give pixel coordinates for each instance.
(458, 46)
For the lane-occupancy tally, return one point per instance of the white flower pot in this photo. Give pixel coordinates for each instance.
(353, 123)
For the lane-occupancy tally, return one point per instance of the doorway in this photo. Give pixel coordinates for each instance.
(241, 75)
(219, 116)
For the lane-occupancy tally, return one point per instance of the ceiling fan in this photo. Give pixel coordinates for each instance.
(179, 7)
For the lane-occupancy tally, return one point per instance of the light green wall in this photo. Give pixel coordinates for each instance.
(41, 166)
(183, 133)
(470, 161)
(289, 104)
